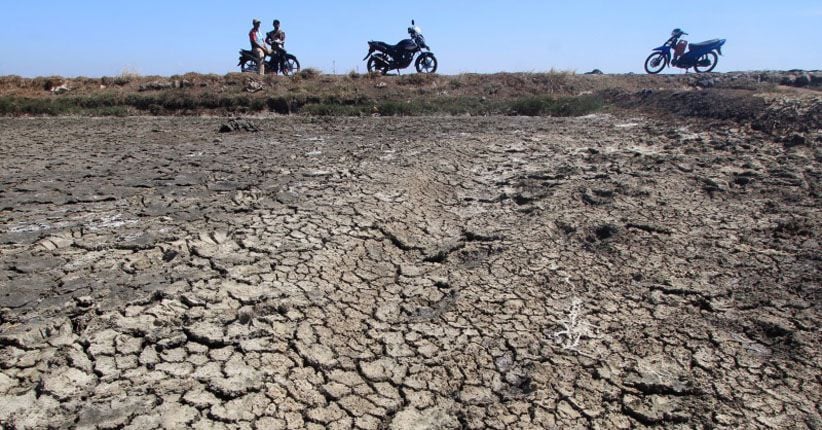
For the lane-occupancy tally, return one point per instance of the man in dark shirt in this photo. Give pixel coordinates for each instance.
(276, 38)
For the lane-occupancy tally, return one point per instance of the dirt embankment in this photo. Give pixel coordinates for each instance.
(769, 101)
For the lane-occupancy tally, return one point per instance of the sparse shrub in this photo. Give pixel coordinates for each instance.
(280, 105)
(331, 109)
(309, 74)
(354, 75)
(562, 107)
(119, 81)
(393, 108)
(257, 104)
(417, 79)
(129, 73)
(119, 111)
(6, 105)
(52, 83)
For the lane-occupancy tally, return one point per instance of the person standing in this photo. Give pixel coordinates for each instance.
(257, 46)
(276, 38)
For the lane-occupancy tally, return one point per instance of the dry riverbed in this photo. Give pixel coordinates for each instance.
(504, 272)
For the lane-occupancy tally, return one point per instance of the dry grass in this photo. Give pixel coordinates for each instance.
(555, 93)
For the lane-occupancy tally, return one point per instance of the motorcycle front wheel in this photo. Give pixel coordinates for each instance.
(248, 66)
(707, 63)
(291, 66)
(655, 63)
(426, 63)
(376, 65)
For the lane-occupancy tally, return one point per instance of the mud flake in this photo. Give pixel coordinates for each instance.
(245, 293)
(327, 414)
(653, 410)
(234, 387)
(659, 375)
(7, 383)
(66, 383)
(206, 333)
(317, 354)
(384, 369)
(432, 418)
(476, 395)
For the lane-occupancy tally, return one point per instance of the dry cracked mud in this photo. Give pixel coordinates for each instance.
(434, 273)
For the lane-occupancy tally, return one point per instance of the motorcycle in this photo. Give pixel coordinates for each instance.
(280, 62)
(383, 57)
(702, 57)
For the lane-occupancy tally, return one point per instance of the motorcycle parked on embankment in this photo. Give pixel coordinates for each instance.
(702, 57)
(383, 57)
(279, 62)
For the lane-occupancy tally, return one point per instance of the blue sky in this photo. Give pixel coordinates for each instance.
(150, 37)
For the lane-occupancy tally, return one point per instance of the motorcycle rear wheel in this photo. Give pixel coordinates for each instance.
(248, 66)
(377, 66)
(426, 63)
(655, 63)
(712, 58)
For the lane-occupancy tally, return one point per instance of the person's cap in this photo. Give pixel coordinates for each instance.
(255, 21)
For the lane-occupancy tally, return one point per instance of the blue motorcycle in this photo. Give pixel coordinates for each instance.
(702, 57)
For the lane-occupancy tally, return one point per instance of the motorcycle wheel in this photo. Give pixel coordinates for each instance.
(655, 63)
(291, 66)
(426, 63)
(377, 66)
(248, 66)
(710, 57)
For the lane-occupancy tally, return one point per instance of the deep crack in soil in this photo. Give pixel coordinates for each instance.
(503, 272)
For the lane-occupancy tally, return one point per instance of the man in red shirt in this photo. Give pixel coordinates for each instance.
(257, 46)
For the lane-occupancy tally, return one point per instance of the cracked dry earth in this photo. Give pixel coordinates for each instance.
(437, 273)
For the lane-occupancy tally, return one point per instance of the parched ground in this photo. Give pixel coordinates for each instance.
(595, 272)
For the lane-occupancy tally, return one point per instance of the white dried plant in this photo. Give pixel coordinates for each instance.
(574, 326)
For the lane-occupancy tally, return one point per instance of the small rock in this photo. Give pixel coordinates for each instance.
(795, 139)
(172, 342)
(253, 86)
(61, 89)
(245, 314)
(84, 301)
(238, 124)
(706, 83)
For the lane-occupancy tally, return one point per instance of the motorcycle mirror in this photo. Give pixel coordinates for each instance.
(412, 22)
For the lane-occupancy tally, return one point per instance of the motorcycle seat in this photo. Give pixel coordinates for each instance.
(705, 44)
(402, 45)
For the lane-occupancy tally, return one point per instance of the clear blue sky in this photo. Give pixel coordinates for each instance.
(150, 37)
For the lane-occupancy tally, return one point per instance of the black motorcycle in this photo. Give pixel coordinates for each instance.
(383, 57)
(280, 62)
